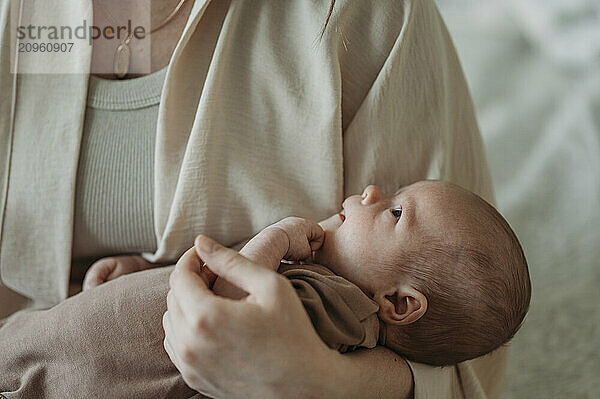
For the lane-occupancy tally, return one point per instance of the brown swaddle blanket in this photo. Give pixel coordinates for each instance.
(344, 317)
(108, 342)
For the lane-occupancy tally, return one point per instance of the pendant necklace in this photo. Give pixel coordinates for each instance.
(122, 55)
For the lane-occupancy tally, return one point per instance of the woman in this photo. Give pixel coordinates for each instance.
(254, 123)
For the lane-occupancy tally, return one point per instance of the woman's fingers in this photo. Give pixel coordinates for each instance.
(173, 307)
(190, 262)
(189, 289)
(235, 268)
(208, 276)
(170, 338)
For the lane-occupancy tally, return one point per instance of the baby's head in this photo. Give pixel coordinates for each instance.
(446, 269)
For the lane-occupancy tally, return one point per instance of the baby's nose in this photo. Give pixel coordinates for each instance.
(371, 195)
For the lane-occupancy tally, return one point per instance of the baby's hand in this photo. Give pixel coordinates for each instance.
(110, 268)
(304, 236)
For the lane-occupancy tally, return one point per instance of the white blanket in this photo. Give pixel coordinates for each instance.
(534, 71)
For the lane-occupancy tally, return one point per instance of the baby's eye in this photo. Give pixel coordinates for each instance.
(397, 212)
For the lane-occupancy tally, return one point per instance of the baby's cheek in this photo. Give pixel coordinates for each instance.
(342, 256)
(355, 243)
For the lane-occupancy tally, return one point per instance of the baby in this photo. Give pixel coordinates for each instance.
(436, 266)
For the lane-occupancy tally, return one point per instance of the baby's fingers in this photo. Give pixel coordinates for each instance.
(91, 280)
(315, 235)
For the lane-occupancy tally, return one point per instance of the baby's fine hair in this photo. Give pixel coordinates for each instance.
(477, 300)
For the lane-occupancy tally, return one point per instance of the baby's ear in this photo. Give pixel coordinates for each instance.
(401, 304)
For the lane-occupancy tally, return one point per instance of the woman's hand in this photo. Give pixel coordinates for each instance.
(261, 346)
(110, 268)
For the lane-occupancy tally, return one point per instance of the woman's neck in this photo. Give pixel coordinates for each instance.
(162, 41)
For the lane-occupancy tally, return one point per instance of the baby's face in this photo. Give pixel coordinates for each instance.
(372, 230)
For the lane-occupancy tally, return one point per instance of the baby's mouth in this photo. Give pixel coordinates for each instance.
(342, 216)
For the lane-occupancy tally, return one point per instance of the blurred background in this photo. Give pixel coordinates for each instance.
(534, 71)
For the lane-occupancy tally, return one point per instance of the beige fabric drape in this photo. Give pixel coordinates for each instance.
(256, 122)
(119, 356)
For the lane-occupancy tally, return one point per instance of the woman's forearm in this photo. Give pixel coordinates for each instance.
(372, 373)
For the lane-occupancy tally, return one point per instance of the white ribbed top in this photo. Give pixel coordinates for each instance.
(115, 186)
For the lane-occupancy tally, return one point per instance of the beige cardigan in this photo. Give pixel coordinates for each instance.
(257, 121)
